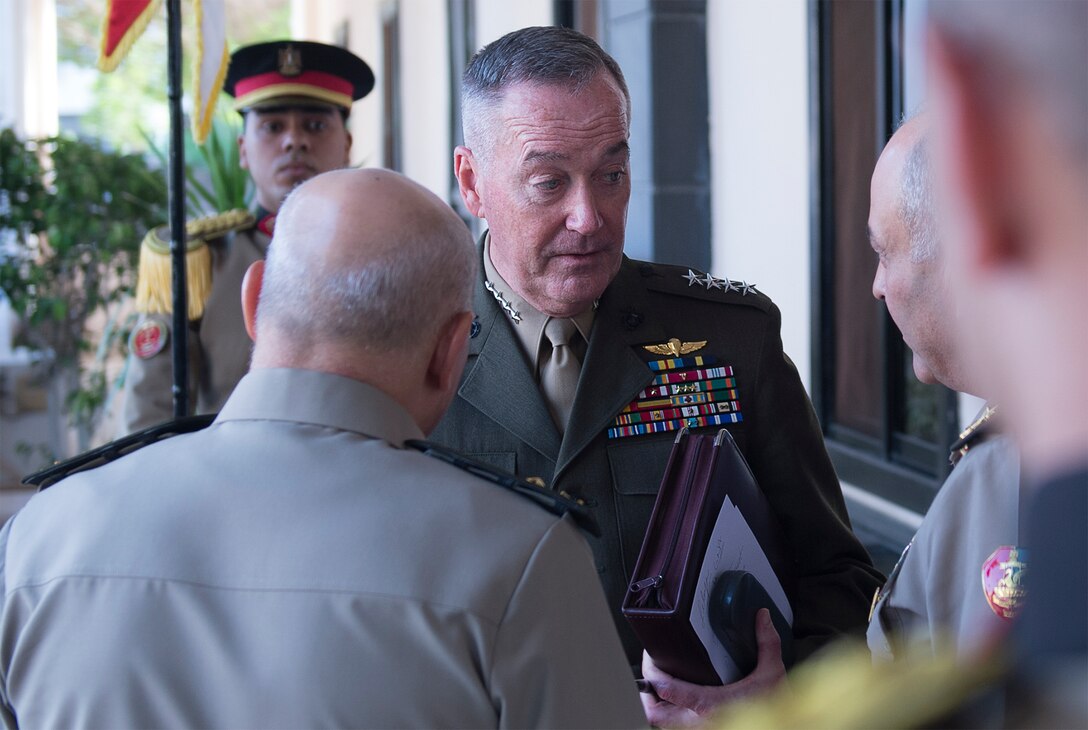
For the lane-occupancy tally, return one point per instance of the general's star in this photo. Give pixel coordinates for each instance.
(745, 287)
(712, 283)
(693, 278)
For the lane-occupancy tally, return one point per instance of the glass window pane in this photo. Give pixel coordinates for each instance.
(858, 355)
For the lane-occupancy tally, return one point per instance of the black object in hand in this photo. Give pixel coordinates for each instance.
(734, 602)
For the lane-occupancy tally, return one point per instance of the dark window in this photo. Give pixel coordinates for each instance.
(391, 126)
(462, 19)
(661, 47)
(578, 14)
(887, 432)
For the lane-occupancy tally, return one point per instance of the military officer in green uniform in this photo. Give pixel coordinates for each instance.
(583, 363)
(295, 98)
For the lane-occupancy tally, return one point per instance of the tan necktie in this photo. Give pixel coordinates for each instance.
(559, 370)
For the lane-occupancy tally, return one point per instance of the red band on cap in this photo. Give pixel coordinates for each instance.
(318, 79)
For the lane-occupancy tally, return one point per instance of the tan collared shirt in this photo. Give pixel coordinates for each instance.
(530, 328)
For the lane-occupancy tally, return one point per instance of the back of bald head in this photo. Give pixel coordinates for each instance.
(362, 260)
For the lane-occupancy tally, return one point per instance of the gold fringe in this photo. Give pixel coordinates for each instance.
(154, 288)
(203, 109)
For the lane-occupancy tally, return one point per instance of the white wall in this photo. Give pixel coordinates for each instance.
(496, 18)
(319, 21)
(28, 66)
(759, 139)
(425, 95)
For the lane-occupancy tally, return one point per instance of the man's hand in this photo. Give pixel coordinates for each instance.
(682, 704)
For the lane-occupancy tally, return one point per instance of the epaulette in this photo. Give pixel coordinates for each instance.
(979, 430)
(552, 501)
(154, 282)
(684, 281)
(116, 449)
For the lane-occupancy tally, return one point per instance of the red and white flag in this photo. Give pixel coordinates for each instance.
(125, 21)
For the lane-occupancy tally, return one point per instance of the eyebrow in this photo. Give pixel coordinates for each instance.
(302, 108)
(551, 156)
(873, 240)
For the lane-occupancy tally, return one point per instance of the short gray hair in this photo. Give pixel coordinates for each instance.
(389, 301)
(537, 55)
(1041, 45)
(916, 202)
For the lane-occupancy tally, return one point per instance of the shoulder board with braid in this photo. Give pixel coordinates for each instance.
(154, 283)
(116, 449)
(552, 501)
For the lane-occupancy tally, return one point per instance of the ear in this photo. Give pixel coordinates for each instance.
(243, 161)
(448, 357)
(465, 170)
(347, 150)
(251, 294)
(976, 159)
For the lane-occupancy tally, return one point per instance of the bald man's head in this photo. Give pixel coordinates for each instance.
(910, 276)
(363, 259)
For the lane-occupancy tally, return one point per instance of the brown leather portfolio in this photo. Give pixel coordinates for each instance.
(704, 470)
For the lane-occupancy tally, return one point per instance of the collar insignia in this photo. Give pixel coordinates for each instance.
(971, 434)
(502, 300)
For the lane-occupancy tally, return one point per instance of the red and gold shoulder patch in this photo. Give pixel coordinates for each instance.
(1003, 582)
(149, 339)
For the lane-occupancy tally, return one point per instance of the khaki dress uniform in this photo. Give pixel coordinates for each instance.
(500, 416)
(292, 566)
(937, 594)
(219, 347)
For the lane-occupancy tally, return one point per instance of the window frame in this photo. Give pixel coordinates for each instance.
(896, 466)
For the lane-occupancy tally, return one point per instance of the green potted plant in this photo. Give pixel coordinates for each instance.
(72, 216)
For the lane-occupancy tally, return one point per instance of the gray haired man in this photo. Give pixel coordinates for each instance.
(583, 363)
(293, 564)
(947, 587)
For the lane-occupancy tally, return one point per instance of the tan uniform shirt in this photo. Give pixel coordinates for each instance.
(936, 595)
(290, 566)
(219, 348)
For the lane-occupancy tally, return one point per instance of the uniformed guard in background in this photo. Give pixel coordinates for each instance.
(294, 97)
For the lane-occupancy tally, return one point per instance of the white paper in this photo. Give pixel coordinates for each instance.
(732, 546)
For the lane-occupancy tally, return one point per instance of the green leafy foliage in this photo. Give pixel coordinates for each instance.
(214, 180)
(72, 216)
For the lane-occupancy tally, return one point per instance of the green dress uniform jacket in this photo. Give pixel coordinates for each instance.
(219, 347)
(292, 566)
(499, 416)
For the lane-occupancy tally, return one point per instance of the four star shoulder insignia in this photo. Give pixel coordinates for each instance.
(713, 282)
(675, 347)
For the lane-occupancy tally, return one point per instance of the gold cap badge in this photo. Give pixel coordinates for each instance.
(290, 61)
